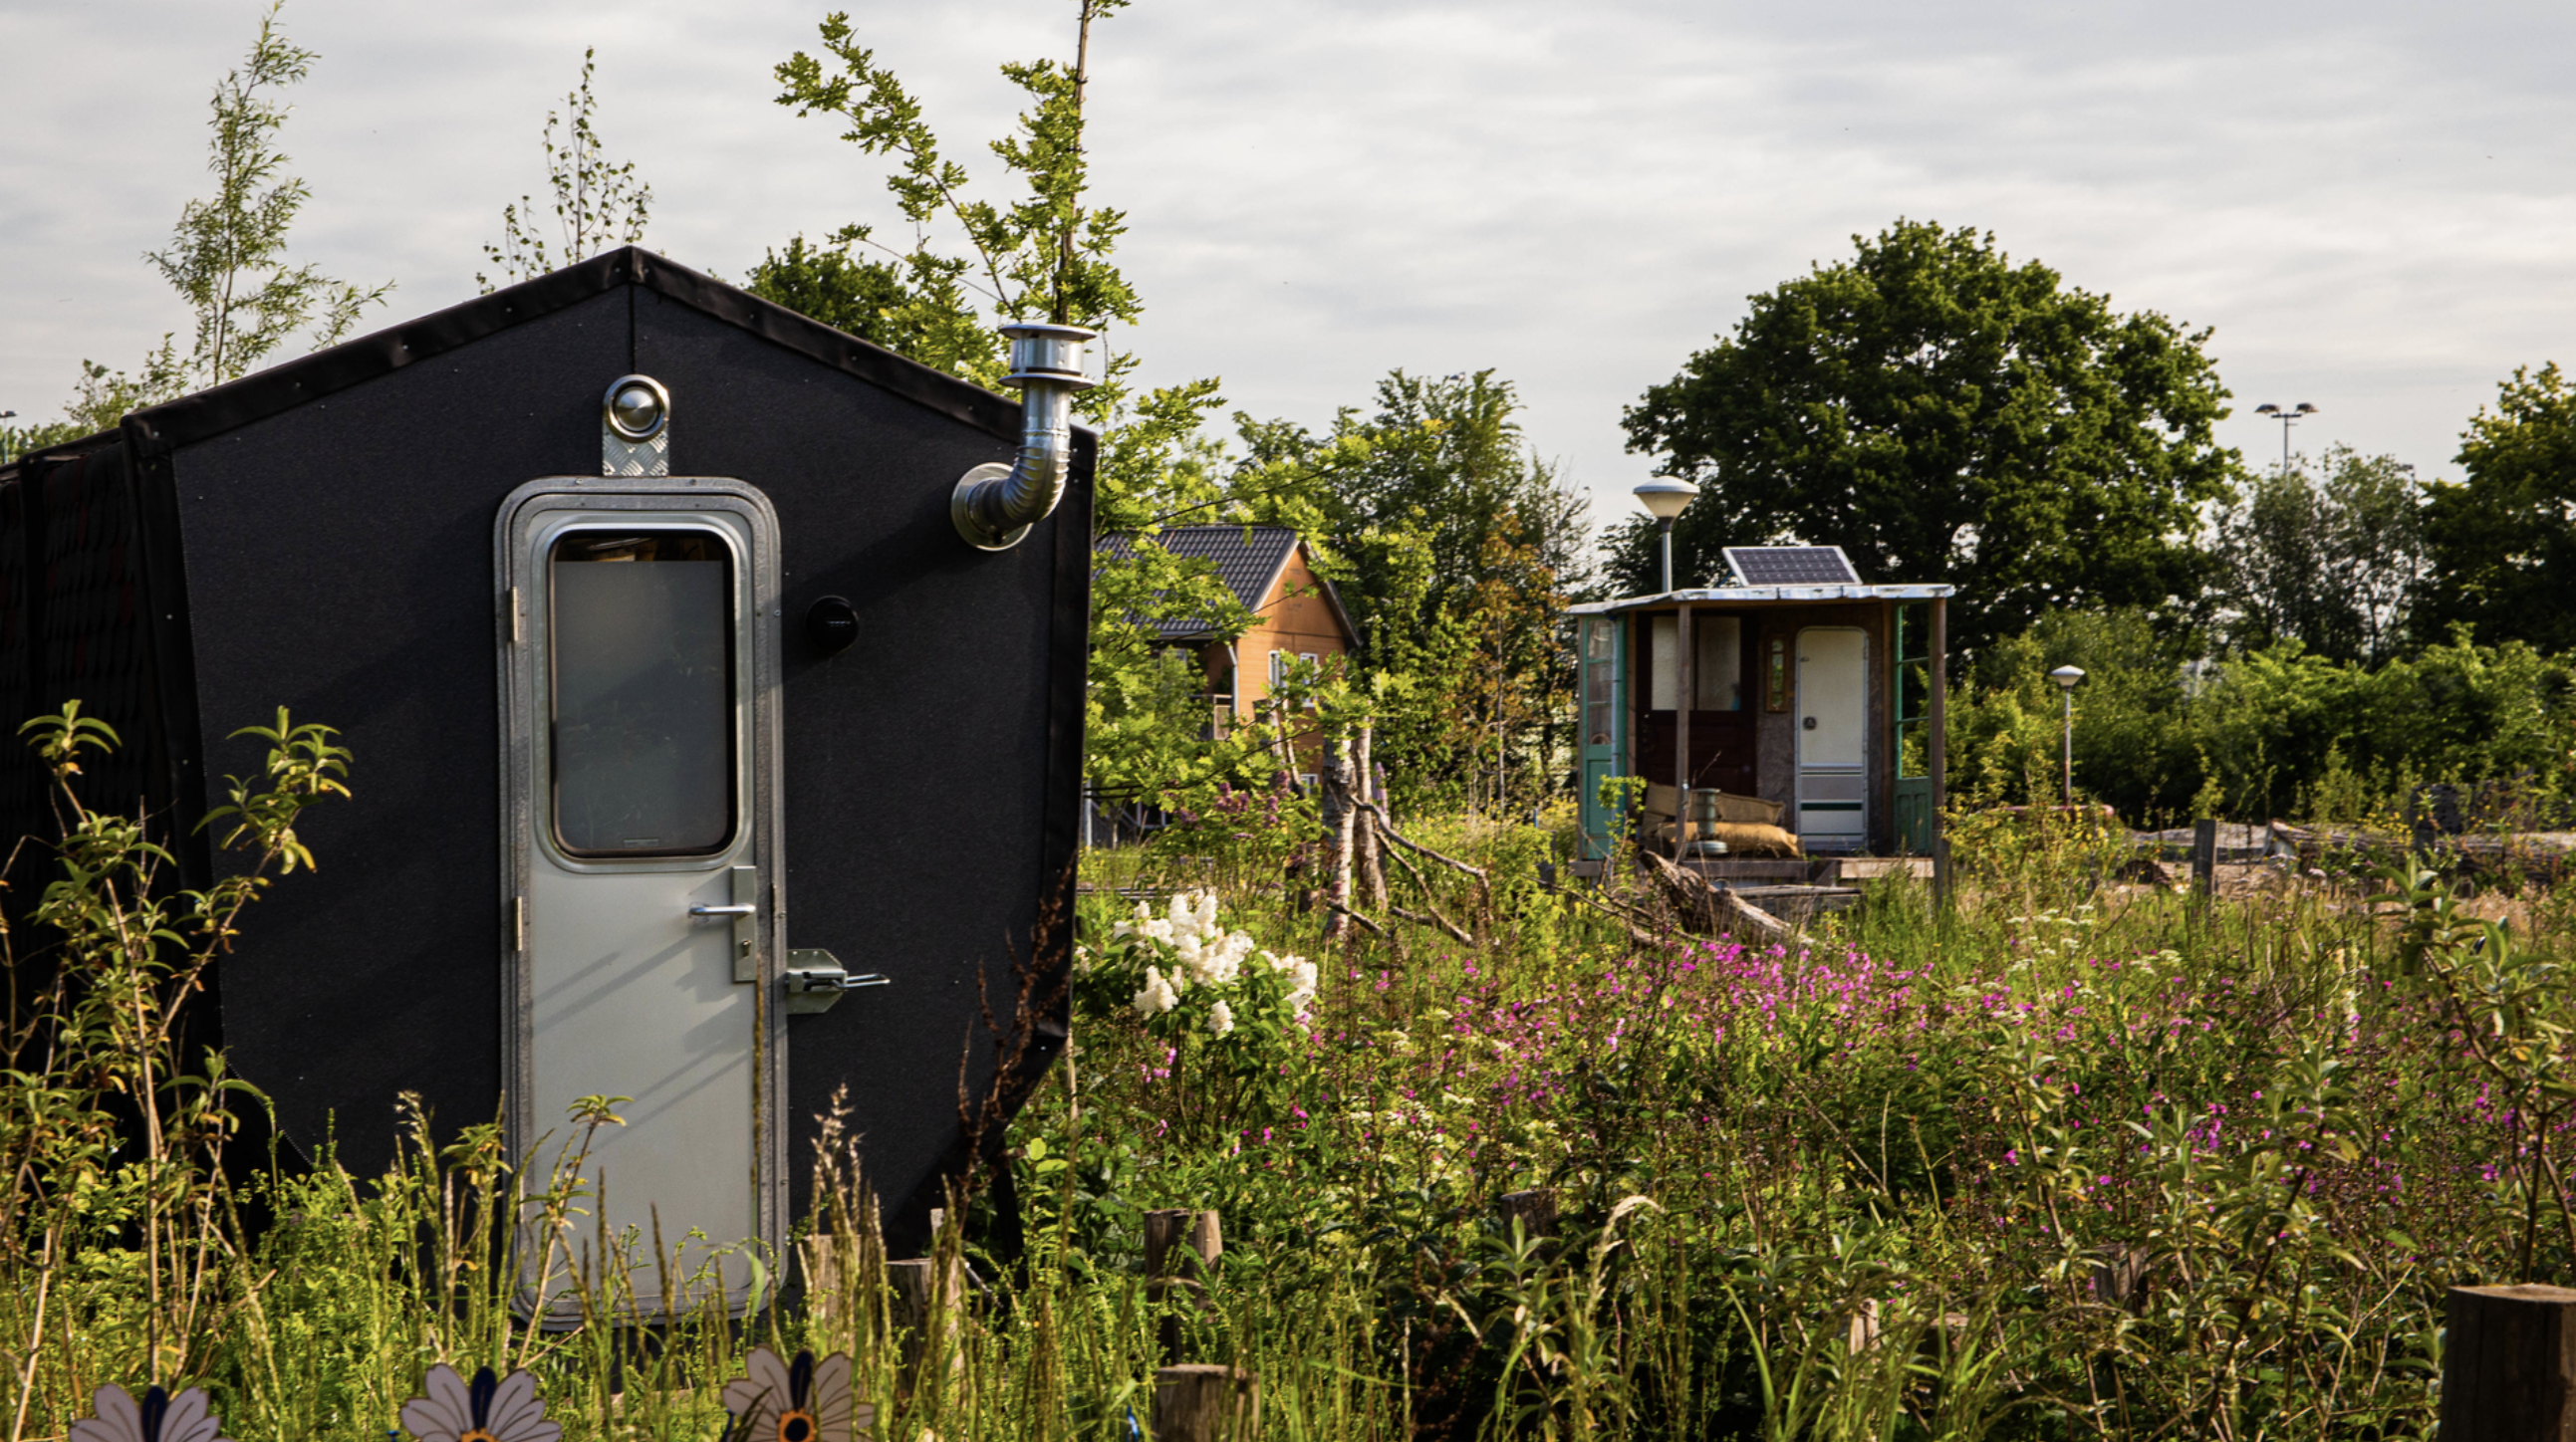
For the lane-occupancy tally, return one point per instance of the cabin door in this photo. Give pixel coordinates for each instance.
(1833, 738)
(641, 655)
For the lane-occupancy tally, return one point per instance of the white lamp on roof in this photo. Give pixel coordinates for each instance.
(1664, 498)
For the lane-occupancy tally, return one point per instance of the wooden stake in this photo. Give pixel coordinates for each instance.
(1181, 1242)
(926, 1315)
(2204, 861)
(1196, 1402)
(2509, 1364)
(1534, 1209)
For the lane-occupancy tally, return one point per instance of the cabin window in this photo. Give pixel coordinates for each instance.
(1718, 679)
(640, 641)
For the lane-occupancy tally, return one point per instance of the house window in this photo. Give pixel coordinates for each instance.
(1308, 657)
(1278, 669)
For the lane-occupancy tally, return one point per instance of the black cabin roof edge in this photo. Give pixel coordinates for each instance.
(261, 394)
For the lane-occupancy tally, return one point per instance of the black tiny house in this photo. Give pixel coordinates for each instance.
(829, 698)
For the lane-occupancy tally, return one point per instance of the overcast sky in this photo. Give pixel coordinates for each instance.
(2369, 203)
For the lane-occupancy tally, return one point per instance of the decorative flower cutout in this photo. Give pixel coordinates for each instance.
(794, 1402)
(483, 1410)
(159, 1417)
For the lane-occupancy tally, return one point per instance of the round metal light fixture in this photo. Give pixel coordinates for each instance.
(2067, 676)
(1666, 496)
(636, 408)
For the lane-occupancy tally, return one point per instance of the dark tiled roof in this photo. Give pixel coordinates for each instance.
(1247, 558)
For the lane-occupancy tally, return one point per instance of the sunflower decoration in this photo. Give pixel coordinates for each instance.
(794, 1401)
(159, 1417)
(452, 1409)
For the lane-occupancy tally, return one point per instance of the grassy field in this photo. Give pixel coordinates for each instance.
(2059, 1158)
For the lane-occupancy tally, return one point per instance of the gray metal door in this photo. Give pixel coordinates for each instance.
(639, 677)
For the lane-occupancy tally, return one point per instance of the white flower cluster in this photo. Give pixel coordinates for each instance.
(1203, 953)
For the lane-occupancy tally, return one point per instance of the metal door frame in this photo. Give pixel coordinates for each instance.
(521, 718)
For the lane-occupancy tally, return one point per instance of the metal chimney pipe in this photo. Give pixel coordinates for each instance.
(994, 505)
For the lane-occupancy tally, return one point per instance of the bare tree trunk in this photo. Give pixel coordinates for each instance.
(1339, 814)
(1371, 866)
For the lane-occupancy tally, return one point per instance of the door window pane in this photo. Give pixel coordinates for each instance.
(641, 641)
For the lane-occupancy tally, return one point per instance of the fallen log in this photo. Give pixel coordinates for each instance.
(1717, 910)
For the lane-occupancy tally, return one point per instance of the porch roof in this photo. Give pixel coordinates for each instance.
(1762, 596)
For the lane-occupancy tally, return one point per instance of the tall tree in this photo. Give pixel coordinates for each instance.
(597, 203)
(2503, 538)
(1456, 548)
(2332, 562)
(1944, 414)
(227, 255)
(1044, 251)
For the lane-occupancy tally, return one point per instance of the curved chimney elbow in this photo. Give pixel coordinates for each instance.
(994, 505)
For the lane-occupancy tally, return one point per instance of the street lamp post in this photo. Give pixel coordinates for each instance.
(2066, 677)
(1664, 497)
(2288, 417)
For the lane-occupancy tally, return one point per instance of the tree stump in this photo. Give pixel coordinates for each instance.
(2509, 1364)
(1196, 1402)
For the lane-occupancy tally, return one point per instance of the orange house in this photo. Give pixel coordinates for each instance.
(1296, 615)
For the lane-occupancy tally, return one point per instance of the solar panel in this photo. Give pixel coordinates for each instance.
(1791, 566)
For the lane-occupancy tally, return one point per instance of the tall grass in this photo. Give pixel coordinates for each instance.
(2051, 1157)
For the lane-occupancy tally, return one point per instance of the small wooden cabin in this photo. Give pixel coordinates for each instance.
(1797, 685)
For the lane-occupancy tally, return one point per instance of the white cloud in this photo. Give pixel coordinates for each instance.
(2368, 203)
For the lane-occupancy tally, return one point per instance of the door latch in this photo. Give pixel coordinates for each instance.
(815, 980)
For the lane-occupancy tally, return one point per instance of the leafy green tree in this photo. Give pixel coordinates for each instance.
(598, 205)
(2503, 539)
(1944, 414)
(227, 255)
(2331, 561)
(859, 297)
(1455, 549)
(1045, 252)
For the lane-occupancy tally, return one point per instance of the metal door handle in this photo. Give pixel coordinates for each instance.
(724, 911)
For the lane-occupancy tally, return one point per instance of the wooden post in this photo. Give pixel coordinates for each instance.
(1181, 1248)
(1683, 682)
(1196, 1402)
(2204, 861)
(1940, 758)
(925, 1312)
(2509, 1364)
(1534, 1209)
(1181, 1243)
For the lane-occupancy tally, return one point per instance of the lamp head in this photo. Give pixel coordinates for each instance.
(2067, 676)
(1665, 496)
(2267, 409)
(2305, 409)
